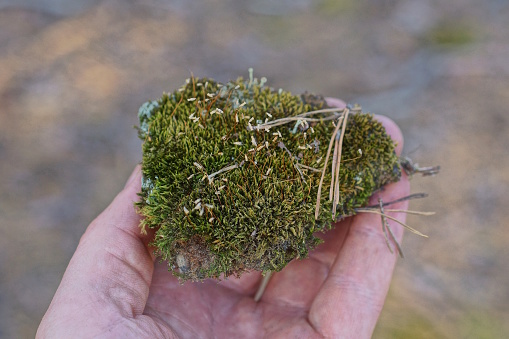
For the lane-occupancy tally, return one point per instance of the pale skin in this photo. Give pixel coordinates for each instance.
(115, 287)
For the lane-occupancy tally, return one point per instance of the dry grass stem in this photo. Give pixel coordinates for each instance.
(310, 168)
(225, 169)
(334, 159)
(399, 211)
(318, 195)
(338, 164)
(300, 171)
(387, 228)
(398, 246)
(411, 212)
(406, 198)
(296, 165)
(263, 286)
(301, 117)
(385, 225)
(411, 229)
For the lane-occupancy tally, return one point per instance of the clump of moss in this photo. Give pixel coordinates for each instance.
(229, 190)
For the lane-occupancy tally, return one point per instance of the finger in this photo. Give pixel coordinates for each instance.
(333, 240)
(122, 213)
(134, 178)
(246, 284)
(297, 285)
(352, 296)
(111, 266)
(282, 288)
(335, 102)
(393, 130)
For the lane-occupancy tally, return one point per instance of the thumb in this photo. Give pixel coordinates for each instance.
(110, 273)
(121, 214)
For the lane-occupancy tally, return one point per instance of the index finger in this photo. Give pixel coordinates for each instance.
(351, 298)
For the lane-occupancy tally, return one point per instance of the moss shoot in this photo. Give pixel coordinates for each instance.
(231, 174)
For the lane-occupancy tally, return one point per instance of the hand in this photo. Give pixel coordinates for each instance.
(113, 288)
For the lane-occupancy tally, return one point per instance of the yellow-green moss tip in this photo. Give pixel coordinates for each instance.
(226, 197)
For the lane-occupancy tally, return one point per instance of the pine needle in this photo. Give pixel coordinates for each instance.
(338, 163)
(411, 212)
(263, 286)
(301, 117)
(385, 226)
(334, 160)
(411, 229)
(398, 246)
(225, 169)
(406, 198)
(310, 168)
(318, 196)
(398, 211)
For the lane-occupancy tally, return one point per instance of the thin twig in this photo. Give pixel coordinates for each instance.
(410, 168)
(408, 197)
(398, 246)
(176, 106)
(385, 225)
(300, 172)
(263, 286)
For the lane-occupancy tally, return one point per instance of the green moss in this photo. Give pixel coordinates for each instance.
(259, 211)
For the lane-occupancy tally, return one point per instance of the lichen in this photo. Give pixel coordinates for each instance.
(226, 197)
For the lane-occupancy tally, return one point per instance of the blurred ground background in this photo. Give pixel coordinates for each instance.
(73, 74)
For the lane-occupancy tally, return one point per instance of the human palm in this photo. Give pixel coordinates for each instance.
(300, 301)
(113, 287)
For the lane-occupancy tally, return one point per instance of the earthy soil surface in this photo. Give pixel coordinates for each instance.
(73, 74)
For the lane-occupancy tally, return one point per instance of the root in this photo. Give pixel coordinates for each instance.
(410, 168)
